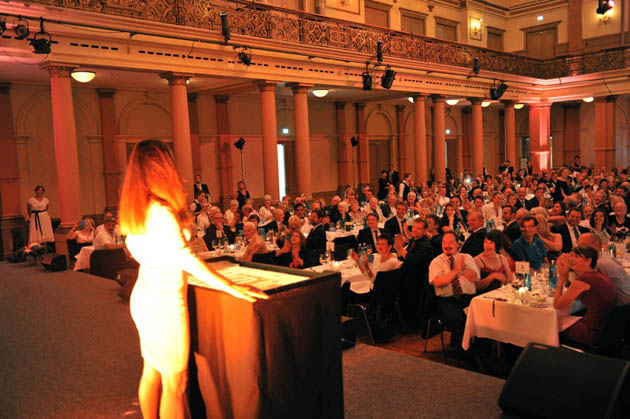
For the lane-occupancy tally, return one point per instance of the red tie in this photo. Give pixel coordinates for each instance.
(457, 288)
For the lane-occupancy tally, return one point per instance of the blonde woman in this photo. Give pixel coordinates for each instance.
(552, 241)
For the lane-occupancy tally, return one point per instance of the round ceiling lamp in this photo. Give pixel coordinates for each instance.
(83, 76)
(320, 92)
(519, 105)
(588, 99)
(485, 103)
(410, 98)
(452, 102)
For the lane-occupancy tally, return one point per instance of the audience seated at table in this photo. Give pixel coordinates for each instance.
(474, 244)
(397, 224)
(218, 231)
(570, 230)
(511, 229)
(230, 213)
(332, 211)
(277, 225)
(369, 235)
(82, 231)
(433, 233)
(598, 224)
(610, 267)
(389, 208)
(453, 275)
(450, 219)
(294, 253)
(341, 215)
(373, 208)
(529, 247)
(254, 243)
(591, 287)
(356, 216)
(266, 210)
(107, 238)
(316, 240)
(383, 260)
(552, 241)
(494, 268)
(101, 227)
(203, 218)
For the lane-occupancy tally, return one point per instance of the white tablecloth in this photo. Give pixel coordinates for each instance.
(514, 323)
(359, 282)
(83, 258)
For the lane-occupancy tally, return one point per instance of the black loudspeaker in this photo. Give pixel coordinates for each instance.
(54, 262)
(554, 382)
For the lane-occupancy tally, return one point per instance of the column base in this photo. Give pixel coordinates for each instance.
(61, 246)
(13, 235)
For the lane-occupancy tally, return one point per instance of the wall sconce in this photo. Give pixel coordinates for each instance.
(475, 28)
(605, 18)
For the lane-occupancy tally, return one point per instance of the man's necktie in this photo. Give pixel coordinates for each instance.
(457, 288)
(576, 232)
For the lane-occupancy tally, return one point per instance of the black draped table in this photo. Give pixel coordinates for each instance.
(275, 358)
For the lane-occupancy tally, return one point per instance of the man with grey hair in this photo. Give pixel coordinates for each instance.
(255, 244)
(610, 267)
(474, 244)
(520, 215)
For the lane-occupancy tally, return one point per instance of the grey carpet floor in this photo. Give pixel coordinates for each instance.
(69, 349)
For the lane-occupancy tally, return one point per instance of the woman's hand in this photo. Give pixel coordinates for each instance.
(248, 293)
(354, 256)
(564, 265)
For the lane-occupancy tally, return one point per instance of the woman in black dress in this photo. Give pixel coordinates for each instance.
(242, 194)
(383, 183)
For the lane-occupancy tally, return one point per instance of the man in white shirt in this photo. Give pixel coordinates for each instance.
(102, 226)
(107, 238)
(373, 208)
(494, 210)
(442, 199)
(453, 276)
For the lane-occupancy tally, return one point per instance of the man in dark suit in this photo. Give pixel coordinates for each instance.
(416, 256)
(316, 240)
(393, 176)
(218, 231)
(396, 225)
(571, 230)
(474, 245)
(277, 224)
(538, 200)
(389, 208)
(512, 229)
(521, 202)
(331, 210)
(199, 187)
(369, 235)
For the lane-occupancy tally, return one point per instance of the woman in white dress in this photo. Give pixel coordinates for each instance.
(40, 228)
(154, 216)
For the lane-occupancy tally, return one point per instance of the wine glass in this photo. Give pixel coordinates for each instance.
(323, 258)
(214, 244)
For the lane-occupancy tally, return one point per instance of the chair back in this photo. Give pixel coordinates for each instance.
(74, 248)
(615, 330)
(350, 240)
(342, 244)
(267, 258)
(107, 263)
(387, 287)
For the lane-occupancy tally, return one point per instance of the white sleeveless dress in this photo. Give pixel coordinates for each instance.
(158, 301)
(40, 228)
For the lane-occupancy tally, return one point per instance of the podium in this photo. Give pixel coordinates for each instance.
(275, 358)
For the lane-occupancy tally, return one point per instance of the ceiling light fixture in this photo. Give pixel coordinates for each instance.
(320, 92)
(379, 51)
(20, 27)
(367, 77)
(519, 105)
(354, 142)
(485, 103)
(225, 27)
(240, 143)
(452, 102)
(245, 56)
(42, 40)
(388, 79)
(497, 92)
(603, 6)
(588, 99)
(83, 76)
(410, 98)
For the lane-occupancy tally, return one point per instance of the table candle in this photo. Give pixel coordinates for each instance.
(522, 294)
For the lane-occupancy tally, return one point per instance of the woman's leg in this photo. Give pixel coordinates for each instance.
(149, 391)
(173, 388)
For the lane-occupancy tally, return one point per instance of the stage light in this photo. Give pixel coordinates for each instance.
(519, 105)
(83, 76)
(603, 6)
(367, 81)
(497, 92)
(354, 142)
(21, 28)
(245, 56)
(452, 102)
(379, 51)
(410, 99)
(588, 99)
(485, 103)
(388, 79)
(239, 143)
(320, 92)
(476, 66)
(225, 27)
(41, 41)
(3, 24)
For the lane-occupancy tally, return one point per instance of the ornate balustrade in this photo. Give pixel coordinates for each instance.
(264, 21)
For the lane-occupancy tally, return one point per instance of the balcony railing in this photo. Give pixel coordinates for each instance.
(269, 22)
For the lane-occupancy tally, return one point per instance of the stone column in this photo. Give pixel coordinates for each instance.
(467, 146)
(611, 123)
(302, 140)
(420, 138)
(270, 139)
(111, 165)
(364, 146)
(10, 215)
(181, 128)
(460, 155)
(343, 148)
(601, 133)
(195, 146)
(539, 128)
(477, 136)
(571, 131)
(402, 138)
(66, 154)
(510, 132)
(439, 138)
(225, 151)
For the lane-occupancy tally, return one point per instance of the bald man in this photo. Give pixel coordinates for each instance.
(610, 267)
(474, 245)
(255, 243)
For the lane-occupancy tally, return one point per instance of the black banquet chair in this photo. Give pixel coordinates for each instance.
(74, 248)
(342, 244)
(107, 263)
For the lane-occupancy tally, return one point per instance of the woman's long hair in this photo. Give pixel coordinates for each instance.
(151, 175)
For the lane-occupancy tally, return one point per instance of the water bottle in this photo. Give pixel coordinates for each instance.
(528, 282)
(553, 275)
(365, 224)
(613, 250)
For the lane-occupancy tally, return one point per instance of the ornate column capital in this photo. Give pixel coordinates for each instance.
(359, 105)
(221, 99)
(611, 98)
(508, 103)
(267, 85)
(106, 93)
(58, 70)
(340, 105)
(418, 97)
(400, 108)
(543, 105)
(176, 79)
(437, 98)
(475, 101)
(299, 87)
